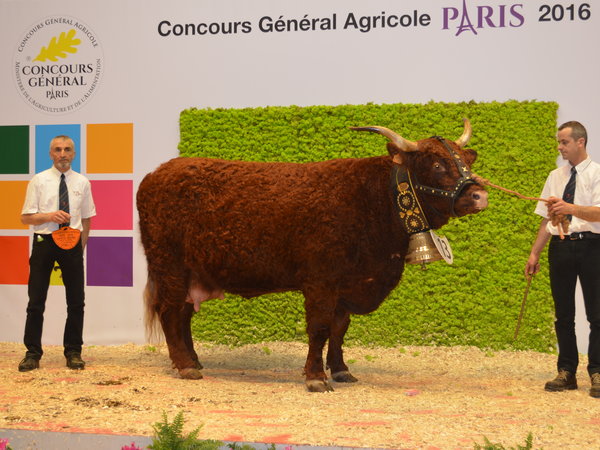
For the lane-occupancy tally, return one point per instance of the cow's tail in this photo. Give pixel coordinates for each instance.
(154, 332)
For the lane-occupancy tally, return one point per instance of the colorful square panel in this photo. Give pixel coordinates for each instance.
(14, 259)
(110, 148)
(12, 194)
(114, 204)
(44, 135)
(15, 154)
(110, 261)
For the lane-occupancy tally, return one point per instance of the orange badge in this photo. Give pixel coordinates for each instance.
(66, 237)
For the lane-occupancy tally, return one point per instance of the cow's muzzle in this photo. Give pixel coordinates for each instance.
(480, 199)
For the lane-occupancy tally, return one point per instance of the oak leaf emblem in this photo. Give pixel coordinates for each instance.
(58, 48)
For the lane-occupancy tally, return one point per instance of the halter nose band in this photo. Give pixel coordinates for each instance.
(465, 179)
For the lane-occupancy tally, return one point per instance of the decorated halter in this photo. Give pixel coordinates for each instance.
(465, 179)
(404, 185)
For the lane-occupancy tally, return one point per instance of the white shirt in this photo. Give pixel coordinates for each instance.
(587, 193)
(42, 197)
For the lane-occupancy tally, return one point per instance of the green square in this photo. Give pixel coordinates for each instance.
(14, 141)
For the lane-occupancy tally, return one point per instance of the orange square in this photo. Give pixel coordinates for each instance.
(14, 264)
(109, 148)
(13, 195)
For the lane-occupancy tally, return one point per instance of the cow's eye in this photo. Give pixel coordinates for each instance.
(438, 167)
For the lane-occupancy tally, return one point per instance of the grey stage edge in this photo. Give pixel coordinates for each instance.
(50, 440)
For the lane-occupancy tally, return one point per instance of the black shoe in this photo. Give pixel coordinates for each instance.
(565, 380)
(595, 389)
(28, 364)
(75, 362)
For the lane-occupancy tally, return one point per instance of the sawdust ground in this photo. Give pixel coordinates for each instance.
(409, 397)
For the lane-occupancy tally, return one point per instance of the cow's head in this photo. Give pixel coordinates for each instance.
(440, 171)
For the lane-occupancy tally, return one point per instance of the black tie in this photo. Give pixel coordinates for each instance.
(569, 193)
(63, 197)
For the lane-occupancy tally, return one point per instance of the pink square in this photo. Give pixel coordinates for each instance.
(114, 204)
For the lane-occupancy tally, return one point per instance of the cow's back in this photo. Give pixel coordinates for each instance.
(252, 227)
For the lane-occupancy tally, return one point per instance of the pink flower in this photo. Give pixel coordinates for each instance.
(4, 444)
(125, 447)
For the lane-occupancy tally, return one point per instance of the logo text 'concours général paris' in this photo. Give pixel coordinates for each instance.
(58, 64)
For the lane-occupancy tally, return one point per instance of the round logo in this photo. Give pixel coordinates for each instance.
(58, 65)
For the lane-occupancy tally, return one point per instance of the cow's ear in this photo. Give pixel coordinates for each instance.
(396, 154)
(470, 156)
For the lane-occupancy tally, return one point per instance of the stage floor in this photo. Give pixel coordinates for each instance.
(406, 398)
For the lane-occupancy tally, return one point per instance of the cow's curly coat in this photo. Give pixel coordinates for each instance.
(328, 229)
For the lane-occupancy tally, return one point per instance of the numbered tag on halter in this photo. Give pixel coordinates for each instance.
(67, 237)
(443, 246)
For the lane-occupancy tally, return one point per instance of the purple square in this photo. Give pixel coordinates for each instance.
(110, 261)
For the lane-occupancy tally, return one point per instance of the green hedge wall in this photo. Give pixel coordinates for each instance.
(476, 300)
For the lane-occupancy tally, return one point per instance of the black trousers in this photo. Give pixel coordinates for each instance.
(570, 260)
(41, 263)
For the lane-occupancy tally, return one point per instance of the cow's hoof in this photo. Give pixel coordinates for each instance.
(197, 365)
(190, 373)
(318, 386)
(344, 377)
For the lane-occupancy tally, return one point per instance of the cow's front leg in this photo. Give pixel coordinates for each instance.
(319, 313)
(335, 354)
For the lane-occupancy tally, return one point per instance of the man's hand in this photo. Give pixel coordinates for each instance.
(557, 206)
(532, 266)
(59, 217)
(557, 218)
(40, 218)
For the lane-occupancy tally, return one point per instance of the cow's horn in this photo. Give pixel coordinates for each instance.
(403, 144)
(464, 139)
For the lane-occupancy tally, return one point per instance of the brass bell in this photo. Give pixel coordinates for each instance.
(422, 249)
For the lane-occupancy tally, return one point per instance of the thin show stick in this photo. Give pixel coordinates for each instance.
(529, 278)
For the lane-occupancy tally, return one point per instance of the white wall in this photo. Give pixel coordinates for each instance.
(148, 79)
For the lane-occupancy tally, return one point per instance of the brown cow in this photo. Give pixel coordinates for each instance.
(329, 229)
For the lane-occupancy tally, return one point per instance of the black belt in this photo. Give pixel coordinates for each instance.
(577, 236)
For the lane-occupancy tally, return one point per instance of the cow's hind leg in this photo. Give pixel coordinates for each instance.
(186, 329)
(171, 320)
(175, 316)
(187, 333)
(335, 354)
(319, 313)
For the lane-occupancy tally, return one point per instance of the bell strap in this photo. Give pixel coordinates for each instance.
(409, 209)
